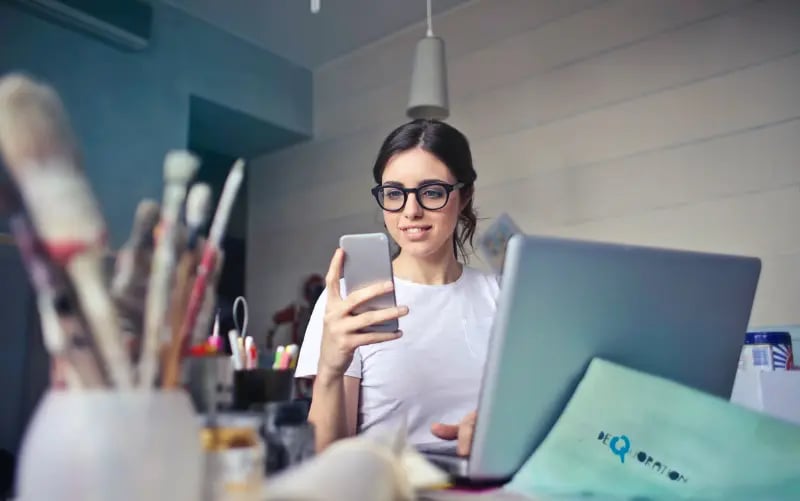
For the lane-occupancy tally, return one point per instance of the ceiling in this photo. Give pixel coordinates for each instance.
(289, 29)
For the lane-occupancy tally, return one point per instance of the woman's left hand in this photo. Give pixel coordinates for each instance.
(462, 432)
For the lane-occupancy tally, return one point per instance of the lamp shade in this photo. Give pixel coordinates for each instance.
(428, 96)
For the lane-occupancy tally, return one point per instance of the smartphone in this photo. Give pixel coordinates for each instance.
(367, 261)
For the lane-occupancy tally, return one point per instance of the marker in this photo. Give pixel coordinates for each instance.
(251, 353)
(293, 350)
(242, 352)
(276, 364)
(236, 354)
(214, 340)
(286, 357)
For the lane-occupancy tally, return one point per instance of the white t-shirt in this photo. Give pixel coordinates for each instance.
(433, 372)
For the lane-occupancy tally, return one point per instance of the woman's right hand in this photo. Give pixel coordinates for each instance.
(340, 336)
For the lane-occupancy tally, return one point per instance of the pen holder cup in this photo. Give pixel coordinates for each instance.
(255, 387)
(209, 381)
(121, 445)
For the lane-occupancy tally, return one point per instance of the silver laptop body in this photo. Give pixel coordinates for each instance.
(676, 314)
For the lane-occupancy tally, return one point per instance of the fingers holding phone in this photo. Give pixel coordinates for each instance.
(364, 323)
(351, 321)
(333, 276)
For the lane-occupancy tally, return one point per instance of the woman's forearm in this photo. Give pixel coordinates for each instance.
(328, 412)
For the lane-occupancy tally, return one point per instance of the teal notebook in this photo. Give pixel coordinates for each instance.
(628, 435)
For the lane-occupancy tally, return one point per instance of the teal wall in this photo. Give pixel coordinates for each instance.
(129, 108)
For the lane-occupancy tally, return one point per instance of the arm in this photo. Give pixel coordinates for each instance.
(335, 398)
(334, 408)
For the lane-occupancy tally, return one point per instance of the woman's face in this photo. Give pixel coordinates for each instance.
(418, 231)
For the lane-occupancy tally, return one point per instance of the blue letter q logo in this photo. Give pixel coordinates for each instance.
(622, 450)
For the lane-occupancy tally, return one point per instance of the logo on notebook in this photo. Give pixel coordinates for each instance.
(623, 448)
(620, 446)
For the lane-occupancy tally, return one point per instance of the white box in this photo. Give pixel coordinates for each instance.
(776, 393)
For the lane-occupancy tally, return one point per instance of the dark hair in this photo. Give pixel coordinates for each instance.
(451, 147)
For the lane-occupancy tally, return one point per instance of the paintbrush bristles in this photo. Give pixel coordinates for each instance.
(40, 152)
(198, 204)
(179, 167)
(145, 220)
(33, 124)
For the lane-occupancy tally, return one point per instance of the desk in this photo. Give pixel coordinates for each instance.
(498, 495)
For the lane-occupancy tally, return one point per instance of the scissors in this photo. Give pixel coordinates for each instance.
(241, 327)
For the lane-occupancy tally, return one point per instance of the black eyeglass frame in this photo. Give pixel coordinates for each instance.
(448, 188)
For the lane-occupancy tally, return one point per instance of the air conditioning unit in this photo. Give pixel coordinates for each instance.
(123, 23)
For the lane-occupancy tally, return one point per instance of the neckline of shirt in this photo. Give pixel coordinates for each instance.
(453, 284)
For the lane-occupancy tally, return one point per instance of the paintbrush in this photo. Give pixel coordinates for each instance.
(207, 271)
(205, 316)
(132, 267)
(198, 203)
(40, 153)
(179, 168)
(202, 324)
(63, 332)
(198, 207)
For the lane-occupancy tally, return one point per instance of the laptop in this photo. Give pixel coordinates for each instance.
(676, 314)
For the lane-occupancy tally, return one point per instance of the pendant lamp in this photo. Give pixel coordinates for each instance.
(428, 96)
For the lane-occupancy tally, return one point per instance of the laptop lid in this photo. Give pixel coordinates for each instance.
(676, 314)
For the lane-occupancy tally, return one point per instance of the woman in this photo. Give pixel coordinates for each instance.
(428, 373)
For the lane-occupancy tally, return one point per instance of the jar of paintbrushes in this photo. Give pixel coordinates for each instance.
(119, 426)
(121, 445)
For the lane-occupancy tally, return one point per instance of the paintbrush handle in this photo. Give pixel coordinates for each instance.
(179, 168)
(77, 360)
(183, 276)
(73, 236)
(205, 318)
(63, 331)
(183, 287)
(204, 270)
(79, 355)
(88, 279)
(205, 275)
(220, 221)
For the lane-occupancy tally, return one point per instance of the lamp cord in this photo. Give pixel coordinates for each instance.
(430, 24)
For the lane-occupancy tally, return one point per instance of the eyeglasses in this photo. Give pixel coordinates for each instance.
(431, 196)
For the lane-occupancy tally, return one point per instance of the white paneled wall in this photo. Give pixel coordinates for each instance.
(662, 122)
